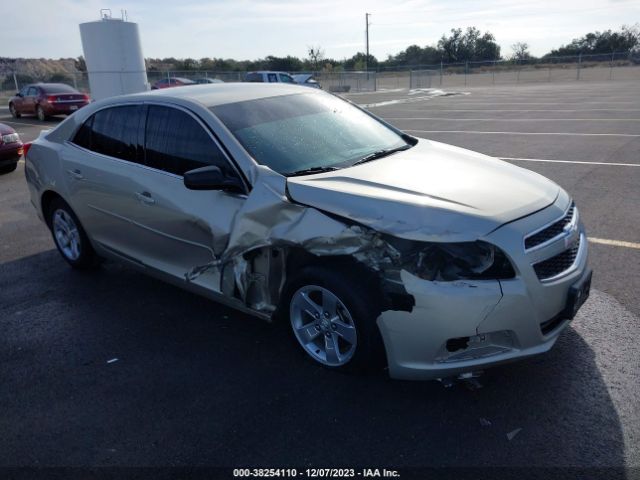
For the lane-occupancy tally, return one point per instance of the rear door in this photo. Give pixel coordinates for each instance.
(102, 164)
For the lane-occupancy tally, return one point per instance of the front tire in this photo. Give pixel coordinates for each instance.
(69, 236)
(14, 112)
(333, 315)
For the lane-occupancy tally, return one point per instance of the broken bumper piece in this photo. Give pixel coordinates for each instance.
(464, 326)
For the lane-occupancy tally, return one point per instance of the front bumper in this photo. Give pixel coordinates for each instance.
(10, 153)
(457, 327)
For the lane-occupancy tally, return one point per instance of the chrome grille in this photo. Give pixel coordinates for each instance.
(552, 231)
(557, 264)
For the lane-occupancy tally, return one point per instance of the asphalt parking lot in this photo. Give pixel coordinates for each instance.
(198, 384)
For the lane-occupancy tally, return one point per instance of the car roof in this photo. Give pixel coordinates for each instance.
(50, 85)
(211, 95)
(269, 71)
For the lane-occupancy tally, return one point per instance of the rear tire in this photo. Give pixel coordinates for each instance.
(70, 238)
(40, 113)
(14, 112)
(332, 315)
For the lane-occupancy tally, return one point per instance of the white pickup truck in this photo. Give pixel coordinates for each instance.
(266, 76)
(269, 77)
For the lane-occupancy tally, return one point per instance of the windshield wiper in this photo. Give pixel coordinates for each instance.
(309, 171)
(381, 153)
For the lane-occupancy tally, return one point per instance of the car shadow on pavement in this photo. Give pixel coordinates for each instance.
(115, 368)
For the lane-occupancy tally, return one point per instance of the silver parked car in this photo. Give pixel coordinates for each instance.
(295, 205)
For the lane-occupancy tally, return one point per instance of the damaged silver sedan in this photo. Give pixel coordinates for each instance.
(294, 205)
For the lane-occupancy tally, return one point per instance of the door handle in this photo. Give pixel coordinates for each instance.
(145, 197)
(75, 174)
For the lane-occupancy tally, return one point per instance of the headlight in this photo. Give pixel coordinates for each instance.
(10, 138)
(457, 261)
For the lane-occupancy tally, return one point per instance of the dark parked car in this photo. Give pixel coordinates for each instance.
(46, 99)
(172, 82)
(306, 79)
(208, 80)
(10, 149)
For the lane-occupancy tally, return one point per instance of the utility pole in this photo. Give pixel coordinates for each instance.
(366, 60)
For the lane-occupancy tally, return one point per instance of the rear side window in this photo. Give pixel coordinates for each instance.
(83, 135)
(176, 143)
(114, 132)
(253, 77)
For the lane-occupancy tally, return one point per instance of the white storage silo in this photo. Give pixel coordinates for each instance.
(113, 54)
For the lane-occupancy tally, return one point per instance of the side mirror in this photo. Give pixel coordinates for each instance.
(18, 94)
(211, 178)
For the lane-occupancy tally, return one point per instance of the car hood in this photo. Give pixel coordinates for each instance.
(6, 129)
(431, 192)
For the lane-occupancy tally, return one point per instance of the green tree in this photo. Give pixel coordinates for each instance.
(472, 45)
(358, 62)
(627, 39)
(287, 64)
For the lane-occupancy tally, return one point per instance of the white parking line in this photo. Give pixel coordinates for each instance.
(466, 101)
(518, 119)
(478, 132)
(519, 110)
(615, 243)
(515, 159)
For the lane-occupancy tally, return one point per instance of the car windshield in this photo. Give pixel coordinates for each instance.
(294, 133)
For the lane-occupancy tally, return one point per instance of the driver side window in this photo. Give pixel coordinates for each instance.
(24, 91)
(176, 143)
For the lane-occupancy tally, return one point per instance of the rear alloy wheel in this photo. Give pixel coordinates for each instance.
(70, 238)
(40, 114)
(14, 112)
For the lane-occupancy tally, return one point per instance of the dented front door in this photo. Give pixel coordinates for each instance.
(180, 228)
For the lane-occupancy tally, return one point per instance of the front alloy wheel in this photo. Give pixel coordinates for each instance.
(13, 111)
(323, 325)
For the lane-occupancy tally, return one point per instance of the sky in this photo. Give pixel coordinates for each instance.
(251, 29)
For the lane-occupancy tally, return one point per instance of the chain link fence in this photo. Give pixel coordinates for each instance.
(598, 67)
(601, 67)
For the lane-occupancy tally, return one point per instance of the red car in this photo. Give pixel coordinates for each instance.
(10, 149)
(172, 82)
(45, 99)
